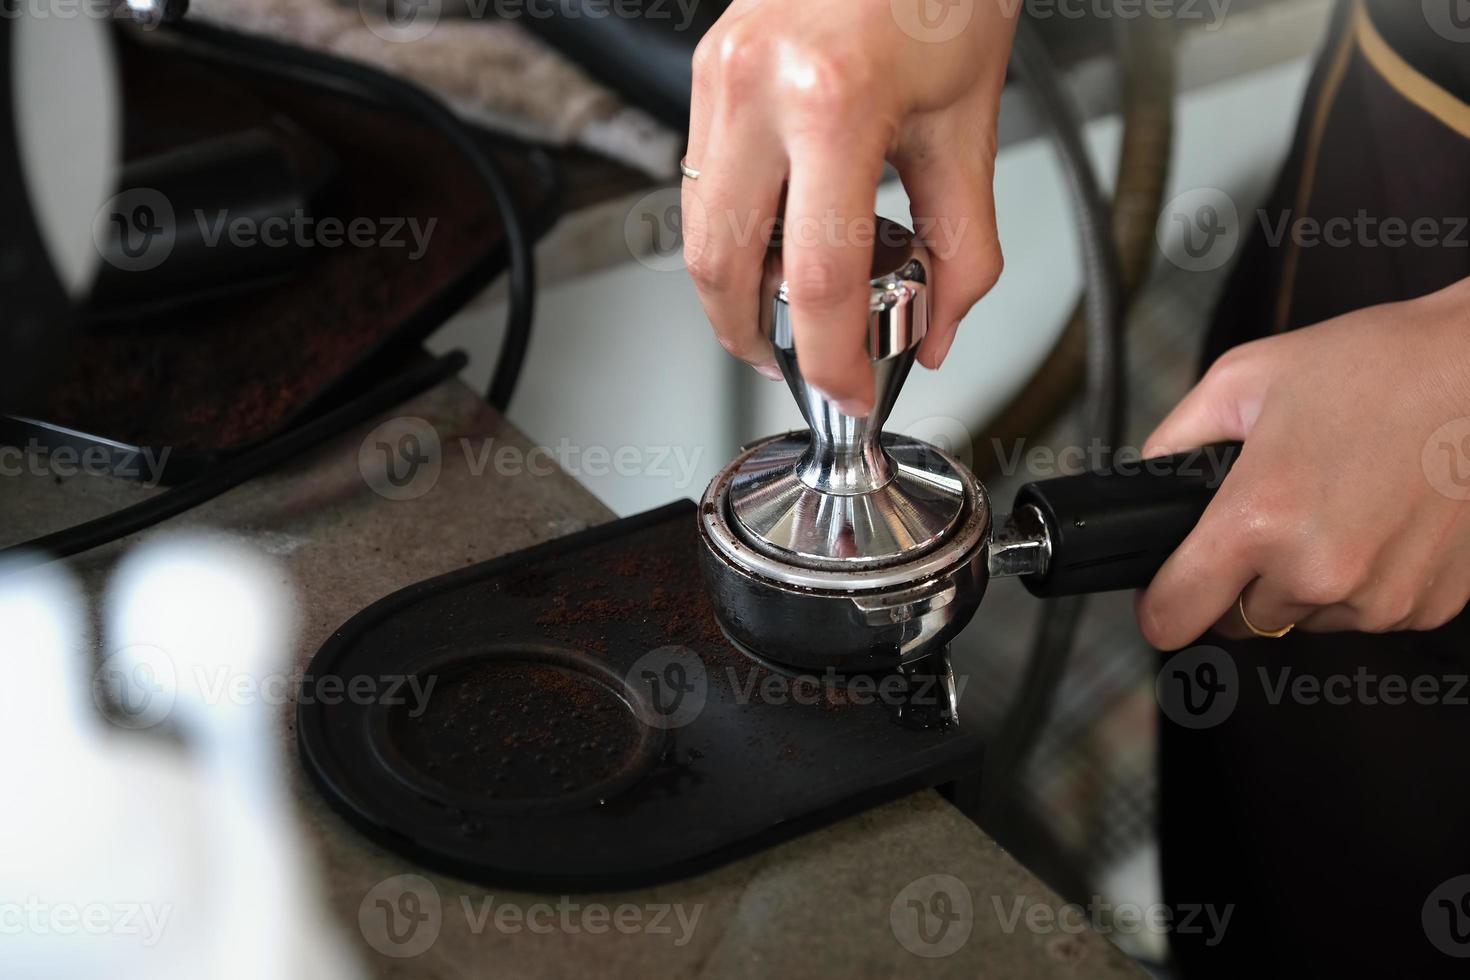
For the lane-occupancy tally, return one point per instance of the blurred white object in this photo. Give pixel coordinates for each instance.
(68, 128)
(122, 855)
(222, 617)
(99, 834)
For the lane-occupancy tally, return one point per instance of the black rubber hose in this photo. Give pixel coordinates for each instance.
(1102, 267)
(1145, 51)
(253, 51)
(1105, 403)
(230, 473)
(414, 101)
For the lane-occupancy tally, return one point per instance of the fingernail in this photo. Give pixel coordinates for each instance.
(853, 408)
(770, 371)
(943, 351)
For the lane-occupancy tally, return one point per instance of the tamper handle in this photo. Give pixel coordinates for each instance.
(846, 455)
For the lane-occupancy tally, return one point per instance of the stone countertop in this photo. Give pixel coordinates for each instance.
(840, 901)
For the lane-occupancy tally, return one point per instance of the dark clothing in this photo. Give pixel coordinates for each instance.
(1330, 826)
(1364, 150)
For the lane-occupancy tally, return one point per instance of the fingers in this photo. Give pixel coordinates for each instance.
(706, 78)
(728, 217)
(1223, 407)
(953, 205)
(729, 212)
(1270, 608)
(1197, 586)
(827, 258)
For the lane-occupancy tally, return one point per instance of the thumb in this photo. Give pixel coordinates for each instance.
(1223, 407)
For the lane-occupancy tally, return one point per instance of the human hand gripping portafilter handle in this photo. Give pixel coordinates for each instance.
(1107, 530)
(1098, 531)
(850, 548)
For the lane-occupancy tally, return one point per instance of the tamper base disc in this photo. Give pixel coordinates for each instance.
(781, 516)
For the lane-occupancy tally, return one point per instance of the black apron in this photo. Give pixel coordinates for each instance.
(1334, 827)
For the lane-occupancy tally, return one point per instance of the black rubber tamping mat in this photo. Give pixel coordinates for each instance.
(571, 717)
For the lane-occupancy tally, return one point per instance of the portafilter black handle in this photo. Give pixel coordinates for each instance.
(1108, 530)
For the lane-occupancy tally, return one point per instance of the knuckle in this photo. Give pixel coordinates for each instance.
(741, 58)
(712, 272)
(1265, 527)
(1332, 578)
(1270, 521)
(828, 82)
(706, 57)
(988, 268)
(1389, 608)
(1230, 366)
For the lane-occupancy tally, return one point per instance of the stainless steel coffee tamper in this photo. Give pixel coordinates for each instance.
(844, 546)
(848, 548)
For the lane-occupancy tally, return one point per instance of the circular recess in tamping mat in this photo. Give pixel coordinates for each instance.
(512, 730)
(514, 734)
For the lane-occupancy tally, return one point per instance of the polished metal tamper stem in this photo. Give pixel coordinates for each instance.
(843, 493)
(846, 455)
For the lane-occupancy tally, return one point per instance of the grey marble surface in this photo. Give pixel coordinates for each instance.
(836, 902)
